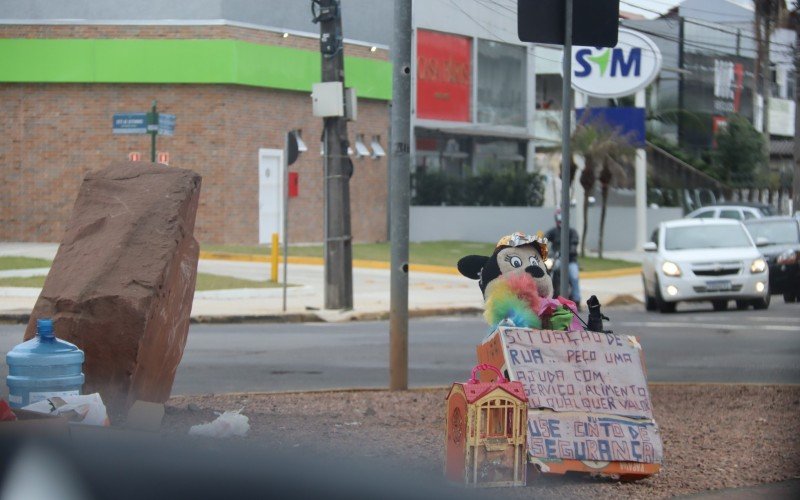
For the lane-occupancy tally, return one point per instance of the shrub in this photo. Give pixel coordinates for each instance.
(489, 187)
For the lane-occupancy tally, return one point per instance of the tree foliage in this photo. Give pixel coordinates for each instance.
(740, 152)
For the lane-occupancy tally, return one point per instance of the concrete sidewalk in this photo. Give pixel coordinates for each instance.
(430, 293)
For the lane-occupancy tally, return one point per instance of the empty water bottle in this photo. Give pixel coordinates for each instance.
(43, 367)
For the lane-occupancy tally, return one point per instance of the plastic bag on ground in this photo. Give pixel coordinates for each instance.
(86, 410)
(230, 423)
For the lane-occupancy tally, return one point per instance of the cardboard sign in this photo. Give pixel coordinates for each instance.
(578, 371)
(592, 437)
(587, 397)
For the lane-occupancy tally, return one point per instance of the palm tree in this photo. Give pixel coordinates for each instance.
(583, 140)
(600, 145)
(611, 170)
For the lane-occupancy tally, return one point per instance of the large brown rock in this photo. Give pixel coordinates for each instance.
(122, 283)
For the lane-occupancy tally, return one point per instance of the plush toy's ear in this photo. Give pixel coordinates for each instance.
(471, 265)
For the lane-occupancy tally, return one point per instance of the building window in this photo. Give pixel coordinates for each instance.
(548, 91)
(501, 83)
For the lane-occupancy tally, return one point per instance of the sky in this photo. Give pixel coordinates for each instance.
(657, 5)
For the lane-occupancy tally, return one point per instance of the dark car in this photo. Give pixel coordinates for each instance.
(778, 238)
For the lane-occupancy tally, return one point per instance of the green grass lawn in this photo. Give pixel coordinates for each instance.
(7, 263)
(590, 264)
(436, 253)
(204, 282)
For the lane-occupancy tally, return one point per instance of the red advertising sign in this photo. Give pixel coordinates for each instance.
(444, 76)
(738, 71)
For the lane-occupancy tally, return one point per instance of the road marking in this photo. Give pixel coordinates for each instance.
(662, 324)
(775, 319)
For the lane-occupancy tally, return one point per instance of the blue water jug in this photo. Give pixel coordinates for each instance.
(43, 367)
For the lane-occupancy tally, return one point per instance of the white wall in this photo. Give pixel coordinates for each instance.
(488, 224)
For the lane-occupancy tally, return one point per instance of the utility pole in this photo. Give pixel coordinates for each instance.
(337, 165)
(399, 195)
(796, 181)
(681, 85)
(766, 71)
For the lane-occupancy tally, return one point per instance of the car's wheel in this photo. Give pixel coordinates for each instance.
(719, 305)
(789, 297)
(649, 300)
(742, 305)
(761, 303)
(662, 305)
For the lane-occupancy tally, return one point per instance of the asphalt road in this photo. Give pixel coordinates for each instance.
(695, 344)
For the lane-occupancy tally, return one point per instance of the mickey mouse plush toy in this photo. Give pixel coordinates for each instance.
(517, 289)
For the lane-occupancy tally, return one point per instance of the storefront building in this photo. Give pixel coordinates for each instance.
(235, 89)
(473, 112)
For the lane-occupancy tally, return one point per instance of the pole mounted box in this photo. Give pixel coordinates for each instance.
(327, 99)
(594, 22)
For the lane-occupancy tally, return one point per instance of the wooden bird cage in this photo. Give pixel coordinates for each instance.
(485, 432)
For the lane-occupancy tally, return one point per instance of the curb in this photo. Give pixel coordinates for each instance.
(318, 261)
(622, 300)
(334, 316)
(15, 318)
(330, 316)
(377, 264)
(308, 317)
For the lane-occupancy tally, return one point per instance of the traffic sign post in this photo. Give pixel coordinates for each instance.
(152, 129)
(152, 122)
(552, 21)
(566, 155)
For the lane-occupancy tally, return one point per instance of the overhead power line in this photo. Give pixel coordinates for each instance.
(707, 25)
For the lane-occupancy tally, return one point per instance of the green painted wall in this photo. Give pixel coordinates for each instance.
(180, 61)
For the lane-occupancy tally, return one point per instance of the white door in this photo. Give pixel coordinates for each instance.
(270, 194)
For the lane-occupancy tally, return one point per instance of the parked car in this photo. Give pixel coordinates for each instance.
(704, 260)
(779, 241)
(738, 210)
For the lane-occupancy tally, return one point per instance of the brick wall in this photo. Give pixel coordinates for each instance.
(52, 134)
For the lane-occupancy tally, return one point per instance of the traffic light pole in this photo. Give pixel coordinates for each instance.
(566, 156)
(338, 240)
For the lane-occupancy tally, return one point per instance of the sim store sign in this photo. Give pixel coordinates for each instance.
(444, 76)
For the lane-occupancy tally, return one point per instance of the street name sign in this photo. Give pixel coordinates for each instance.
(130, 123)
(166, 124)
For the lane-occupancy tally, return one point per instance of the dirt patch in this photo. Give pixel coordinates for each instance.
(715, 436)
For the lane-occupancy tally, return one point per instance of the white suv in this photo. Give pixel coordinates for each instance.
(704, 260)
